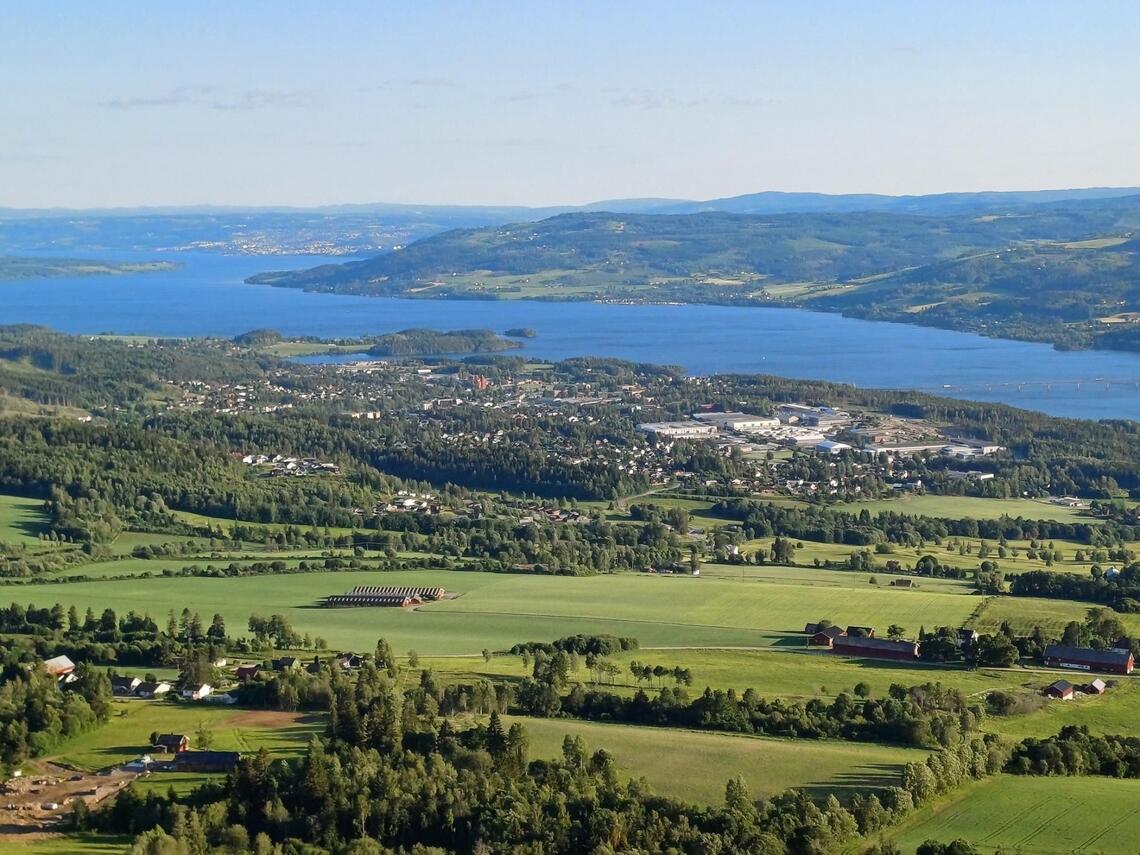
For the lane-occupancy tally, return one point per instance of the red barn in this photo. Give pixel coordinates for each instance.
(1062, 690)
(1085, 659)
(826, 637)
(876, 648)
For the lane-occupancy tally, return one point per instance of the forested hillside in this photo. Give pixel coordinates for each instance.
(1063, 272)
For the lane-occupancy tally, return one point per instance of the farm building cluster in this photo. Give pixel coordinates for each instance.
(861, 641)
(1063, 690)
(385, 596)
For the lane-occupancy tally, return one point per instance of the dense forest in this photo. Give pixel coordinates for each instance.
(391, 773)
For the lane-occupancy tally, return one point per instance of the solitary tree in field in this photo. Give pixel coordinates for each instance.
(204, 736)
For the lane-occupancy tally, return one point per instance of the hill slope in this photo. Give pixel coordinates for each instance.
(1051, 272)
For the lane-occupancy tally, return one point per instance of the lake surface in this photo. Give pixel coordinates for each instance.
(208, 297)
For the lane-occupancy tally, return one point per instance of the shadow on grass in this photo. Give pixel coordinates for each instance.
(872, 776)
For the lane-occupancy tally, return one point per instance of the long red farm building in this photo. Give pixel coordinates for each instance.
(877, 648)
(385, 595)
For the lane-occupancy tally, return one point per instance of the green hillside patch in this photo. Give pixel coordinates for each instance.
(695, 765)
(22, 520)
(1039, 815)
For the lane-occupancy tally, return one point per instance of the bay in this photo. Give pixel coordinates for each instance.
(208, 297)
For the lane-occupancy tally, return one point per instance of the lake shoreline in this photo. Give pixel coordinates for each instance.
(208, 297)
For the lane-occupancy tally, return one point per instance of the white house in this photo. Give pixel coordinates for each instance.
(197, 691)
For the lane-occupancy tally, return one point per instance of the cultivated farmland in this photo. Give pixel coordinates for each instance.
(1045, 815)
(498, 610)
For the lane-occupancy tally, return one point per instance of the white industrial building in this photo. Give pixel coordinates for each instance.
(679, 430)
(738, 421)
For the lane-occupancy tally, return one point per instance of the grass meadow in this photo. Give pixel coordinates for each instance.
(958, 507)
(22, 520)
(126, 735)
(497, 611)
(1028, 814)
(696, 765)
(799, 675)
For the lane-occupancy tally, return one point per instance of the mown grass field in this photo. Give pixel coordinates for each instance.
(22, 520)
(1038, 815)
(947, 553)
(126, 736)
(498, 610)
(796, 674)
(957, 507)
(696, 765)
(1023, 613)
(70, 844)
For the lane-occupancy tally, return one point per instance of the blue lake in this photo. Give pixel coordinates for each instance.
(208, 297)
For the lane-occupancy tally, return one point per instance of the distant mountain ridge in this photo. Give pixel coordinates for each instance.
(763, 202)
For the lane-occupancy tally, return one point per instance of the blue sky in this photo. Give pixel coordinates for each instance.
(111, 104)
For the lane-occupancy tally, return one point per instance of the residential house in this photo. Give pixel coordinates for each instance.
(197, 691)
(59, 666)
(245, 673)
(350, 661)
(966, 636)
(152, 690)
(124, 687)
(171, 743)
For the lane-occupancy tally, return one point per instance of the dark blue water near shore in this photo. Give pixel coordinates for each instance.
(207, 297)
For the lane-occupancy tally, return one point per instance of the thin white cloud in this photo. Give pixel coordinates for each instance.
(217, 98)
(663, 99)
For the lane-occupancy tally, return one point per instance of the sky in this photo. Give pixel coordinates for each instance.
(537, 103)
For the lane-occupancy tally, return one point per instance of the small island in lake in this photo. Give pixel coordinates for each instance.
(18, 267)
(409, 342)
(520, 332)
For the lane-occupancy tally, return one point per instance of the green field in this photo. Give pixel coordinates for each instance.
(1038, 815)
(772, 673)
(70, 844)
(125, 737)
(22, 520)
(1023, 613)
(499, 610)
(695, 765)
(1114, 713)
(226, 525)
(807, 552)
(957, 507)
